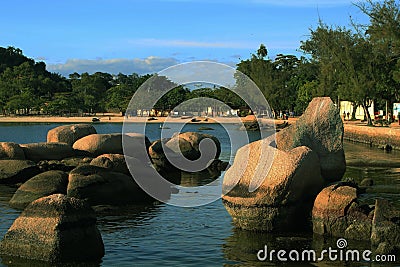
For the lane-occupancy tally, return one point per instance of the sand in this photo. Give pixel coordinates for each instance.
(121, 119)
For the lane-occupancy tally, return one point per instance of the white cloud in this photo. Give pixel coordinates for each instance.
(189, 43)
(141, 66)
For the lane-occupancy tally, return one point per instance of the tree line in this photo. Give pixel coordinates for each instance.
(26, 87)
(360, 64)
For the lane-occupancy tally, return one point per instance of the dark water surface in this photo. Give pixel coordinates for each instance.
(164, 235)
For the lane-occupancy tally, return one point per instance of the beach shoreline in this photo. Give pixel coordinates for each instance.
(112, 118)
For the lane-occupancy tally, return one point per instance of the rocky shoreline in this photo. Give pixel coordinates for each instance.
(61, 181)
(303, 184)
(285, 182)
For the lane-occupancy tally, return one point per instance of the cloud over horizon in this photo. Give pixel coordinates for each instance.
(150, 64)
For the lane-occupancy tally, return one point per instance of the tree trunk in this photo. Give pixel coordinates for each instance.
(366, 112)
(353, 112)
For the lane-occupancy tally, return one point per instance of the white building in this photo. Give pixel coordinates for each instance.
(347, 107)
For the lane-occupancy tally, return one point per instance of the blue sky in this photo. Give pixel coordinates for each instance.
(147, 36)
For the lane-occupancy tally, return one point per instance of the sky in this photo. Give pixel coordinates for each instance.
(132, 36)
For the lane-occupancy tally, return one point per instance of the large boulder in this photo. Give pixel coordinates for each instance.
(98, 144)
(114, 162)
(102, 187)
(321, 129)
(188, 144)
(69, 133)
(158, 154)
(55, 228)
(337, 212)
(9, 150)
(288, 183)
(41, 185)
(47, 151)
(386, 227)
(17, 171)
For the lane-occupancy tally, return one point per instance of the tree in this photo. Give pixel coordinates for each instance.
(260, 71)
(347, 68)
(262, 52)
(383, 33)
(173, 98)
(118, 97)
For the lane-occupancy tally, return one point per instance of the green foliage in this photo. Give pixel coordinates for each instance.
(26, 85)
(305, 94)
(279, 79)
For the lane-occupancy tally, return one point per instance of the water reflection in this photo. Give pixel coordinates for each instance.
(111, 219)
(242, 247)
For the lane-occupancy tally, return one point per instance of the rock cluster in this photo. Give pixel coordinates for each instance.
(80, 163)
(77, 162)
(289, 170)
(189, 145)
(275, 184)
(78, 168)
(337, 212)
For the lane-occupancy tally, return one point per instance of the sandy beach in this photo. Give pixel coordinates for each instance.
(112, 118)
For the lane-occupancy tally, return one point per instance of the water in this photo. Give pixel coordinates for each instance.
(160, 234)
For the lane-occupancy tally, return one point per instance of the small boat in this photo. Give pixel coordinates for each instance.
(95, 119)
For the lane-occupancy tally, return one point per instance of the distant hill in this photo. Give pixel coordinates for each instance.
(11, 56)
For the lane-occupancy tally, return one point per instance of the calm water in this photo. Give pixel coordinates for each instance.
(159, 234)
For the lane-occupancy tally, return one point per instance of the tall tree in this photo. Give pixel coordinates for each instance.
(347, 67)
(383, 33)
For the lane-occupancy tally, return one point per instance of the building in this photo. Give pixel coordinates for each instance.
(347, 107)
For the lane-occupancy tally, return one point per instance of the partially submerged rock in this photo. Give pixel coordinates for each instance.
(321, 129)
(9, 150)
(54, 229)
(70, 133)
(158, 154)
(102, 187)
(17, 171)
(336, 212)
(98, 144)
(47, 151)
(286, 192)
(41, 185)
(188, 144)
